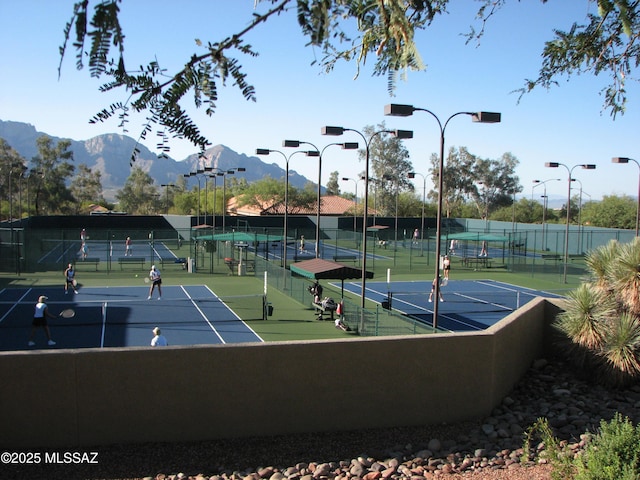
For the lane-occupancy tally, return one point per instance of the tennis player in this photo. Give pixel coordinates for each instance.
(69, 275)
(433, 287)
(156, 280)
(158, 339)
(40, 321)
(446, 266)
(127, 247)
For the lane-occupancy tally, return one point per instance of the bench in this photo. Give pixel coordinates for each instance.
(321, 310)
(174, 261)
(131, 260)
(89, 260)
(233, 263)
(557, 258)
(345, 258)
(478, 261)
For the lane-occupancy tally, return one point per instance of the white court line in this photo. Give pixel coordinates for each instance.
(14, 305)
(104, 324)
(234, 313)
(202, 313)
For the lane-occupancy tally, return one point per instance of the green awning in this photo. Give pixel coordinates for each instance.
(242, 237)
(477, 236)
(320, 269)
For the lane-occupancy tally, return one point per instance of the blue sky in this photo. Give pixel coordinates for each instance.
(295, 99)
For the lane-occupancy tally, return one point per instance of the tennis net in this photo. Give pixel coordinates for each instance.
(463, 301)
(169, 311)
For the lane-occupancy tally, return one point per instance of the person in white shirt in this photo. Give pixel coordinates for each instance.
(156, 281)
(158, 340)
(40, 321)
(69, 275)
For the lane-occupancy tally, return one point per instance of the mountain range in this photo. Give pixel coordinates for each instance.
(110, 154)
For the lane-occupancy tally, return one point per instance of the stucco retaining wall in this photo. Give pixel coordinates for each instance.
(102, 396)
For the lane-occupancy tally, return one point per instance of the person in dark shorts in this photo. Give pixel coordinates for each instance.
(433, 288)
(40, 316)
(446, 266)
(156, 281)
(69, 277)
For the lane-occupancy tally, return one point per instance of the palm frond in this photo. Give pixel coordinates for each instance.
(624, 276)
(586, 316)
(621, 350)
(599, 259)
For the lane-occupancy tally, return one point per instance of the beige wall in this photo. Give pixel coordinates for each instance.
(97, 397)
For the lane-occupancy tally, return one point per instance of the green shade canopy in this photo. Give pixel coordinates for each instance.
(471, 236)
(320, 269)
(242, 237)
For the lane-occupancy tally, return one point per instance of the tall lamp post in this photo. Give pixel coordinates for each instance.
(355, 208)
(544, 206)
(580, 213)
(266, 151)
(194, 174)
(412, 175)
(223, 174)
(394, 178)
(627, 160)
(336, 131)
(296, 144)
(168, 185)
(479, 117)
(585, 166)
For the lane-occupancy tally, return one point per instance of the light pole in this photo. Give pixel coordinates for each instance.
(486, 205)
(545, 200)
(412, 175)
(544, 206)
(296, 144)
(336, 131)
(627, 160)
(355, 208)
(585, 166)
(214, 175)
(395, 179)
(168, 185)
(223, 174)
(480, 117)
(194, 174)
(580, 214)
(266, 151)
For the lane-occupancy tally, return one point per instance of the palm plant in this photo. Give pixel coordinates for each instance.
(624, 276)
(599, 259)
(586, 315)
(601, 321)
(620, 349)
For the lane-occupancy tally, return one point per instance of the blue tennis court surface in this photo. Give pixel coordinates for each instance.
(104, 251)
(469, 305)
(123, 317)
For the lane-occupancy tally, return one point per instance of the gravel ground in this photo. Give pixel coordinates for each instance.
(489, 449)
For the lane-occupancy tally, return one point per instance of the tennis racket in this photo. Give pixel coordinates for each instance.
(147, 279)
(444, 282)
(68, 313)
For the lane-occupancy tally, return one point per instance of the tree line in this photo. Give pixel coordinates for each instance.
(475, 187)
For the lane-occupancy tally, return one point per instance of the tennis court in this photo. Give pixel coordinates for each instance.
(469, 305)
(58, 252)
(123, 317)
